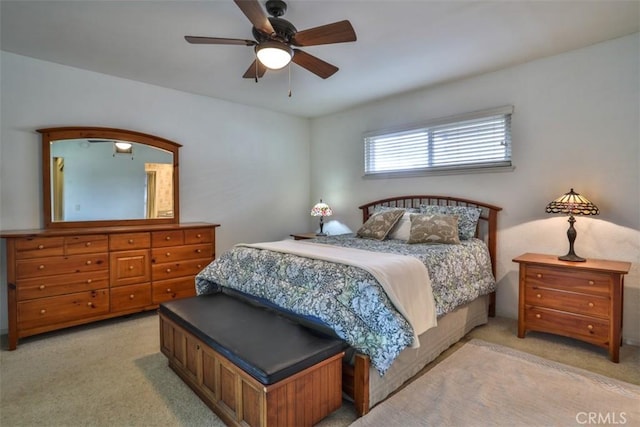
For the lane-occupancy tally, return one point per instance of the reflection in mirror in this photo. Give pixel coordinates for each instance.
(95, 179)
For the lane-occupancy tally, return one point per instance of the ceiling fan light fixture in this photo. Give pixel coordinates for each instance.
(274, 55)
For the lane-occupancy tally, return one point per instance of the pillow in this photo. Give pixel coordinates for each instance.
(434, 229)
(467, 217)
(380, 224)
(402, 228)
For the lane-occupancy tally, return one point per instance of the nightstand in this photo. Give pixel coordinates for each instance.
(581, 300)
(304, 236)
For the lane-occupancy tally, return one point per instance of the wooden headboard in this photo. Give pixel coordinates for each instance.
(487, 224)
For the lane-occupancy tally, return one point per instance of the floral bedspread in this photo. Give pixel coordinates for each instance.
(349, 299)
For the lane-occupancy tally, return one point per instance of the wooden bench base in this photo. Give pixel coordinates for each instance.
(302, 399)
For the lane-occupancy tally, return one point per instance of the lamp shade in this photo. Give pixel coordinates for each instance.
(572, 203)
(321, 209)
(274, 55)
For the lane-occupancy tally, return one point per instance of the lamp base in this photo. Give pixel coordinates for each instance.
(571, 257)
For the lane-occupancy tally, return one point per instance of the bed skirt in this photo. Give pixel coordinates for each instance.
(451, 328)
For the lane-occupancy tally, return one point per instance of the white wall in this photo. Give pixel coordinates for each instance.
(234, 160)
(575, 125)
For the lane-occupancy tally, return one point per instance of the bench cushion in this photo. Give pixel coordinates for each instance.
(266, 345)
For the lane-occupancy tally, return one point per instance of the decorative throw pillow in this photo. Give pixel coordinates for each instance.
(379, 224)
(434, 229)
(467, 217)
(402, 229)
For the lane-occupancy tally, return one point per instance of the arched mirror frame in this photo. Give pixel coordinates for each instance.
(61, 133)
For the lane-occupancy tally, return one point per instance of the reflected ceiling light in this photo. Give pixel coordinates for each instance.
(274, 55)
(123, 147)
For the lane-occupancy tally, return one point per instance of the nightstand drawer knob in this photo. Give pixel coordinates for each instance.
(591, 304)
(539, 275)
(538, 316)
(591, 282)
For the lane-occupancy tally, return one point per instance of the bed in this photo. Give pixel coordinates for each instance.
(352, 301)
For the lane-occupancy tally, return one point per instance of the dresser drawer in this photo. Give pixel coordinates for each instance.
(75, 245)
(65, 308)
(178, 269)
(570, 280)
(123, 242)
(178, 253)
(167, 238)
(166, 290)
(129, 297)
(574, 325)
(62, 284)
(198, 235)
(37, 247)
(130, 267)
(591, 305)
(61, 265)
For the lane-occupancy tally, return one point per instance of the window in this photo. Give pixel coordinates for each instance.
(470, 142)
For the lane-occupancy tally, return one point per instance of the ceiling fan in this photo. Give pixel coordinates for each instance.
(275, 36)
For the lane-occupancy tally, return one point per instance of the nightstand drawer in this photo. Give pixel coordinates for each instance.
(591, 305)
(570, 280)
(563, 323)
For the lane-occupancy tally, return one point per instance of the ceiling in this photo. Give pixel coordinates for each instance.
(401, 46)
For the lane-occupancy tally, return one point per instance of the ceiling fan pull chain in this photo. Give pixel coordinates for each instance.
(289, 79)
(256, 62)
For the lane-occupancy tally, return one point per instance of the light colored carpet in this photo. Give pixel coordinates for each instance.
(112, 373)
(485, 384)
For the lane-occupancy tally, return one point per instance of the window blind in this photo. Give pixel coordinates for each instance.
(463, 142)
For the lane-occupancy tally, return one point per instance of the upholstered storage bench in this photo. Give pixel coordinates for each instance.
(251, 365)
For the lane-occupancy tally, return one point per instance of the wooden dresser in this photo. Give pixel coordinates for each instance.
(58, 278)
(582, 300)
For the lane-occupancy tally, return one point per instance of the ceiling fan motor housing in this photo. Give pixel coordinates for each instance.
(284, 31)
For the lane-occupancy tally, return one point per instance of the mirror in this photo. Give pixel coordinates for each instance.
(103, 177)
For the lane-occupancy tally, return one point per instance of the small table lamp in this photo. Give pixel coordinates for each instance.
(321, 209)
(572, 204)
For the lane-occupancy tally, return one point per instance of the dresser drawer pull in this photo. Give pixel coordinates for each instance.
(200, 266)
(131, 267)
(538, 316)
(198, 251)
(590, 327)
(89, 304)
(168, 254)
(131, 241)
(591, 282)
(591, 305)
(132, 296)
(168, 270)
(41, 267)
(89, 280)
(167, 238)
(539, 275)
(89, 262)
(168, 290)
(198, 235)
(43, 311)
(87, 244)
(41, 287)
(538, 296)
(40, 246)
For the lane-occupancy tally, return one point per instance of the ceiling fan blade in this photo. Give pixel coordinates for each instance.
(338, 32)
(218, 40)
(316, 65)
(253, 10)
(255, 71)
